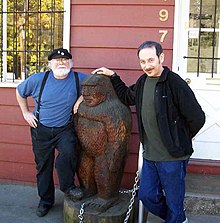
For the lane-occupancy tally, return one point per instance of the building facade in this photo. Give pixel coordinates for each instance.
(108, 33)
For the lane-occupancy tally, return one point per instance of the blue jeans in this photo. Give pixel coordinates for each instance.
(44, 141)
(162, 189)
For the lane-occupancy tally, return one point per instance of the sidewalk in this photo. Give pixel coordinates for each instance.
(18, 204)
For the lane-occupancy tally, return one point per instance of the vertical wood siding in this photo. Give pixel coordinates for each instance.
(108, 33)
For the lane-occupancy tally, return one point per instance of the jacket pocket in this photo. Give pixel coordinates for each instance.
(182, 144)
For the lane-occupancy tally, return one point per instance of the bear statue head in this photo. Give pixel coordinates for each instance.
(96, 88)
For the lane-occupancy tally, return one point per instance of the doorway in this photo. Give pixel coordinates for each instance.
(197, 60)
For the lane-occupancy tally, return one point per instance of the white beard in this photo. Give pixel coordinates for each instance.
(60, 72)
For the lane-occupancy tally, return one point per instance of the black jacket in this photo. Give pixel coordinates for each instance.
(179, 115)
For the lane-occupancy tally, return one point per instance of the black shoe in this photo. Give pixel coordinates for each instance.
(75, 194)
(43, 209)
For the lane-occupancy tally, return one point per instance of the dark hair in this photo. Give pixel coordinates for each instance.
(150, 44)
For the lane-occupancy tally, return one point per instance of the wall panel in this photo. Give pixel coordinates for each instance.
(103, 33)
(116, 37)
(125, 59)
(117, 15)
(108, 33)
(124, 2)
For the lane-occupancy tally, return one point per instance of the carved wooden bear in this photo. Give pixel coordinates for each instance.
(103, 126)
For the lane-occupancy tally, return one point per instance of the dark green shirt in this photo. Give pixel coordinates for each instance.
(154, 149)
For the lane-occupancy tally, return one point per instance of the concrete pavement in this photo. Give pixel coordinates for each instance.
(18, 205)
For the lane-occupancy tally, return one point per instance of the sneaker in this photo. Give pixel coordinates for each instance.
(186, 221)
(75, 194)
(43, 209)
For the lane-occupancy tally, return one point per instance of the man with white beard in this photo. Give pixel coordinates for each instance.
(57, 96)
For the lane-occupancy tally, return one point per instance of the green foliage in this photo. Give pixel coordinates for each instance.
(34, 28)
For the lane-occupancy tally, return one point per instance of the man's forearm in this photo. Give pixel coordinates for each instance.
(22, 102)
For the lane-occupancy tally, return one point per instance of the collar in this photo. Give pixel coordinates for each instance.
(164, 74)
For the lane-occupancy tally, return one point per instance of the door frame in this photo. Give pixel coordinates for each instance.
(206, 90)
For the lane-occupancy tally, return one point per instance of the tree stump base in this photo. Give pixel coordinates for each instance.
(115, 214)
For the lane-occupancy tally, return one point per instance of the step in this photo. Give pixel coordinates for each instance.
(203, 204)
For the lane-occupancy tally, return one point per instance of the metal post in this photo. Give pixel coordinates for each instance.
(142, 214)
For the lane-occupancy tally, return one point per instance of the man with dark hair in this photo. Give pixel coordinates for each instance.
(169, 116)
(51, 125)
(150, 44)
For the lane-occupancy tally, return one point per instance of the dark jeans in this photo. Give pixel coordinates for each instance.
(44, 141)
(162, 189)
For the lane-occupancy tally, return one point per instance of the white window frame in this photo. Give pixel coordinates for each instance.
(7, 81)
(180, 43)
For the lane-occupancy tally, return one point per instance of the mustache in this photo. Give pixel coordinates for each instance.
(149, 69)
(61, 71)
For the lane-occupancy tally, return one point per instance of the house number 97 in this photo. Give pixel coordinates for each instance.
(163, 16)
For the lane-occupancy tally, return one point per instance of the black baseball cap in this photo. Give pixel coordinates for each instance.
(60, 53)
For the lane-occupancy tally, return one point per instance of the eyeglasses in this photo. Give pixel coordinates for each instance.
(61, 60)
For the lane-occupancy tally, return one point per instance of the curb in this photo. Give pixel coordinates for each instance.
(204, 204)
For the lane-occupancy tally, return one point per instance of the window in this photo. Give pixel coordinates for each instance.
(30, 30)
(203, 37)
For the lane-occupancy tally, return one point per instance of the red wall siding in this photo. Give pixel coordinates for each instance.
(103, 33)
(108, 33)
(16, 157)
